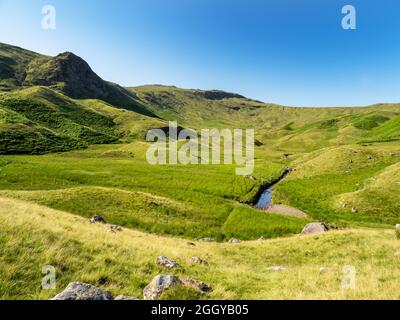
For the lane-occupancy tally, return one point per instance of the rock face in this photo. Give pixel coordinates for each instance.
(82, 291)
(315, 227)
(97, 219)
(159, 285)
(166, 262)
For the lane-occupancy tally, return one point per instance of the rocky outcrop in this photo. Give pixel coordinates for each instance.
(159, 284)
(98, 219)
(166, 262)
(315, 227)
(82, 291)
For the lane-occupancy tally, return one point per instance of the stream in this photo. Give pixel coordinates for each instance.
(265, 200)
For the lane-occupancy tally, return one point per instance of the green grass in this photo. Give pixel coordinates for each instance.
(189, 201)
(124, 263)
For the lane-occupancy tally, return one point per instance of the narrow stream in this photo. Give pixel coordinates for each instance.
(265, 200)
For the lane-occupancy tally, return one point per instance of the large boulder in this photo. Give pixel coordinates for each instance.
(315, 227)
(166, 262)
(159, 284)
(82, 291)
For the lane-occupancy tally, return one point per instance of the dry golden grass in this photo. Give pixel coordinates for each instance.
(32, 236)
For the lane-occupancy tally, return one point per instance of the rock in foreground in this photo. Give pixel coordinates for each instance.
(315, 227)
(166, 262)
(159, 285)
(82, 291)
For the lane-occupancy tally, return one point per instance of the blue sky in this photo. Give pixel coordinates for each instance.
(291, 52)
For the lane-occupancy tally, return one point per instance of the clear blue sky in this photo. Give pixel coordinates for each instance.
(291, 52)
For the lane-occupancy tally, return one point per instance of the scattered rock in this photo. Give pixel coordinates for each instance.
(113, 228)
(277, 268)
(122, 297)
(166, 263)
(97, 219)
(315, 227)
(354, 210)
(82, 291)
(234, 240)
(198, 285)
(197, 260)
(208, 239)
(159, 285)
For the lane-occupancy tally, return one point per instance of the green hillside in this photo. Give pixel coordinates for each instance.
(73, 145)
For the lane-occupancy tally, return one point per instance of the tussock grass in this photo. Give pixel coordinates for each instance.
(32, 236)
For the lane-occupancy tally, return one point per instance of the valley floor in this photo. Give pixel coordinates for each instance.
(32, 236)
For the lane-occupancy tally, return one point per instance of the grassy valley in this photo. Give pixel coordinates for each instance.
(73, 145)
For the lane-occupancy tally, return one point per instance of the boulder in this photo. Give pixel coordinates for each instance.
(122, 297)
(234, 240)
(159, 284)
(82, 291)
(97, 219)
(315, 227)
(113, 228)
(196, 284)
(166, 262)
(197, 260)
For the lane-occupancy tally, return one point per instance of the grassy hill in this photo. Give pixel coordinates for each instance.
(72, 146)
(33, 236)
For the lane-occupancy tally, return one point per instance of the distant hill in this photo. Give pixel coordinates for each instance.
(44, 98)
(66, 72)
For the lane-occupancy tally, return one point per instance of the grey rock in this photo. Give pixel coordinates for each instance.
(198, 285)
(114, 228)
(197, 260)
(97, 219)
(122, 297)
(159, 284)
(166, 262)
(234, 240)
(315, 227)
(82, 291)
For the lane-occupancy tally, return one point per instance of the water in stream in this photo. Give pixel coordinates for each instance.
(265, 199)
